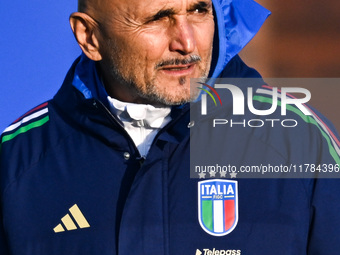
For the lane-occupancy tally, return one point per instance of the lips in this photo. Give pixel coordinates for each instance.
(178, 69)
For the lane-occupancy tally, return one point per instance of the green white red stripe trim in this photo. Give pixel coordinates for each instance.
(327, 133)
(32, 119)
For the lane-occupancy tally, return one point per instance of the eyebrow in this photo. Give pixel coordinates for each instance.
(163, 13)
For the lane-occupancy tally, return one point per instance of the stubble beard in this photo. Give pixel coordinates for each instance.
(152, 93)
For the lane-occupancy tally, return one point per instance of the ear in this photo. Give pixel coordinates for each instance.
(85, 31)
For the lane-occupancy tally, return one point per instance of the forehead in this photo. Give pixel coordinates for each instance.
(139, 8)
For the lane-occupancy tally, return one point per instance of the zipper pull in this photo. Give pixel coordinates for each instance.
(141, 160)
(94, 103)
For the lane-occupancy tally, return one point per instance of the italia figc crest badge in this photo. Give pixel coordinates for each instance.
(218, 206)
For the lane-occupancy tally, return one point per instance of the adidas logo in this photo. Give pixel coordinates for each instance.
(69, 223)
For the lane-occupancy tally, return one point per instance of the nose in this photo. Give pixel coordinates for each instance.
(182, 36)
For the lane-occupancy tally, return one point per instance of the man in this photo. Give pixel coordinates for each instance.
(103, 167)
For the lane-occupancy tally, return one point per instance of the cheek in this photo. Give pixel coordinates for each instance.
(148, 47)
(154, 45)
(205, 36)
(143, 52)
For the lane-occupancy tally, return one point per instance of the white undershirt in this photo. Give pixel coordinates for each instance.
(141, 121)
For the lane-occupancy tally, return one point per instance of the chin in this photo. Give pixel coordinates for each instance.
(167, 99)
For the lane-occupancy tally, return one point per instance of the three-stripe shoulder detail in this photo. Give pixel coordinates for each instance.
(264, 94)
(36, 117)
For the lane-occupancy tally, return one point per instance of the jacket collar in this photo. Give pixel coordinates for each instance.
(87, 80)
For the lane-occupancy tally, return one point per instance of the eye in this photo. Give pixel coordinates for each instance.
(201, 8)
(158, 17)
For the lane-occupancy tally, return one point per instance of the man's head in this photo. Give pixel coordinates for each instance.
(147, 50)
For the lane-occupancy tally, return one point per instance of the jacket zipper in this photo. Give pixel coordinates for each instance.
(115, 120)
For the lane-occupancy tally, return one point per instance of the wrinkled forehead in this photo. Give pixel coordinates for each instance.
(135, 8)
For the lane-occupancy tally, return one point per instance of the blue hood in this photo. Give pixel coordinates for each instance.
(236, 23)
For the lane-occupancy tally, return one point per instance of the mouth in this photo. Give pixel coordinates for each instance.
(178, 70)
